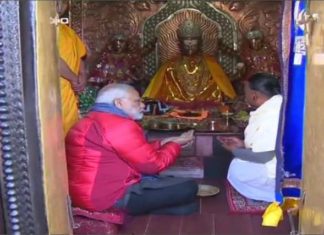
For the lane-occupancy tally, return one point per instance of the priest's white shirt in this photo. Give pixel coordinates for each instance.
(256, 180)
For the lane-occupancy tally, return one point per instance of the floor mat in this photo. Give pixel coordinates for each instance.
(238, 204)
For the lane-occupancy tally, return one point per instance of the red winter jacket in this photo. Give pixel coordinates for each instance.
(106, 154)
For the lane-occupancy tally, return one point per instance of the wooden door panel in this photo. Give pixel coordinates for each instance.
(312, 212)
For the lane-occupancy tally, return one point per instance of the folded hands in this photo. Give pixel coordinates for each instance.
(231, 142)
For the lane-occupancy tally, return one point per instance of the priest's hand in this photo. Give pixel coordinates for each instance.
(231, 142)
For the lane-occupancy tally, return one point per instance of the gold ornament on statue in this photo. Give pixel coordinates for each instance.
(191, 72)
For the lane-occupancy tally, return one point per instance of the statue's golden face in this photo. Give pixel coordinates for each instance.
(190, 46)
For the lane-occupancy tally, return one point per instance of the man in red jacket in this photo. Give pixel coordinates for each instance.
(111, 164)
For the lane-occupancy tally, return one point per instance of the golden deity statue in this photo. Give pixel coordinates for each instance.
(193, 79)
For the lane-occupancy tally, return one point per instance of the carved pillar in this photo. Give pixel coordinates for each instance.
(20, 179)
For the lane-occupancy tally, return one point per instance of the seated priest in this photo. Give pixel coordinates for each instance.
(111, 164)
(193, 79)
(252, 172)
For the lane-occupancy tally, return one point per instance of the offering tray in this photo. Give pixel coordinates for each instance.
(189, 114)
(217, 125)
(167, 124)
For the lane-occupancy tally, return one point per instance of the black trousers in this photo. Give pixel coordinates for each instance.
(178, 199)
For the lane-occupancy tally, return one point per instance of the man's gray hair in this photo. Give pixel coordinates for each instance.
(111, 92)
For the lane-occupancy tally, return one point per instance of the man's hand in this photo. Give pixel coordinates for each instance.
(187, 134)
(78, 82)
(79, 85)
(231, 143)
(185, 139)
(82, 78)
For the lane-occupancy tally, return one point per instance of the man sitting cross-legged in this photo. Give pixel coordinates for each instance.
(111, 164)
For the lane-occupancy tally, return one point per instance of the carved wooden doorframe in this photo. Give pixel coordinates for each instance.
(33, 182)
(312, 209)
(21, 186)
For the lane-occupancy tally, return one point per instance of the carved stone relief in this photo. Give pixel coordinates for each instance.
(76, 15)
(98, 21)
(262, 15)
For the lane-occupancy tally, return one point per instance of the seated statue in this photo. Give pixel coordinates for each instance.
(193, 79)
(117, 64)
(258, 56)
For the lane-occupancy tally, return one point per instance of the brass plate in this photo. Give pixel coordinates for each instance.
(205, 190)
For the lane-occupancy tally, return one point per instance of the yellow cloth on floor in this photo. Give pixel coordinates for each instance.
(71, 50)
(272, 215)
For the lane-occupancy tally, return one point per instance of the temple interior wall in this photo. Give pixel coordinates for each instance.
(98, 21)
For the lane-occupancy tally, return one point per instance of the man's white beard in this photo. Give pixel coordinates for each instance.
(136, 115)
